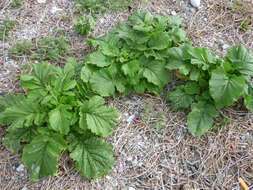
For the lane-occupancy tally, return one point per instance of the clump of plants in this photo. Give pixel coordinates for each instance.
(84, 26)
(63, 108)
(45, 49)
(6, 27)
(132, 57)
(55, 115)
(101, 6)
(211, 83)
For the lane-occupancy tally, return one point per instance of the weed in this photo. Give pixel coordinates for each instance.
(101, 6)
(16, 3)
(84, 25)
(49, 48)
(5, 27)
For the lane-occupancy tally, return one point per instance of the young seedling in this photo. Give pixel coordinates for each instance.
(84, 25)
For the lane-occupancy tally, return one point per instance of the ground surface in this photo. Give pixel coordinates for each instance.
(147, 158)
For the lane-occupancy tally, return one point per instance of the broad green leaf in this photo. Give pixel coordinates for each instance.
(180, 99)
(103, 83)
(159, 41)
(41, 155)
(225, 89)
(93, 157)
(131, 68)
(177, 35)
(155, 72)
(140, 18)
(201, 57)
(14, 137)
(174, 21)
(42, 75)
(176, 60)
(200, 119)
(65, 78)
(60, 119)
(98, 118)
(249, 98)
(25, 113)
(109, 50)
(98, 59)
(10, 100)
(192, 88)
(241, 58)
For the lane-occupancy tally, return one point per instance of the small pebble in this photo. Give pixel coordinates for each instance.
(41, 1)
(131, 188)
(225, 46)
(195, 3)
(24, 188)
(55, 9)
(173, 12)
(20, 168)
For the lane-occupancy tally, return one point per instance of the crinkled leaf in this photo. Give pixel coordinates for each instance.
(140, 18)
(93, 157)
(65, 78)
(109, 50)
(40, 156)
(131, 69)
(176, 60)
(98, 59)
(192, 88)
(98, 118)
(249, 98)
(242, 59)
(41, 76)
(60, 119)
(155, 72)
(102, 83)
(159, 41)
(179, 99)
(10, 100)
(14, 137)
(26, 113)
(201, 57)
(225, 89)
(200, 119)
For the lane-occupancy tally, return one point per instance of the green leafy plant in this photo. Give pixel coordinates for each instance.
(15, 3)
(6, 27)
(56, 116)
(101, 6)
(45, 49)
(213, 83)
(132, 57)
(83, 25)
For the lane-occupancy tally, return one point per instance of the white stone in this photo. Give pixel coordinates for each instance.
(131, 188)
(225, 46)
(173, 12)
(130, 119)
(20, 168)
(41, 1)
(195, 3)
(55, 9)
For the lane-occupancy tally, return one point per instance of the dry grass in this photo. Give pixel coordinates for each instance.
(146, 158)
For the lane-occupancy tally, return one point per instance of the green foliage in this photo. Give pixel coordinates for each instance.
(213, 83)
(15, 3)
(101, 6)
(62, 111)
(54, 117)
(6, 27)
(83, 25)
(45, 49)
(132, 57)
